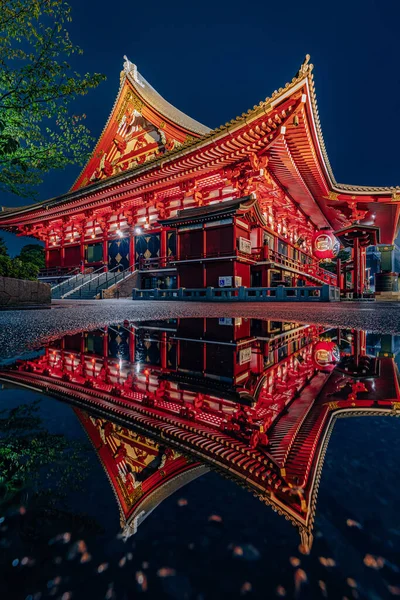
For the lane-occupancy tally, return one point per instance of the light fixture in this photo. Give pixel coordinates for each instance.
(93, 235)
(119, 232)
(138, 230)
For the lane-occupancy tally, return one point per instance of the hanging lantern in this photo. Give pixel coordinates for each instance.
(325, 245)
(325, 353)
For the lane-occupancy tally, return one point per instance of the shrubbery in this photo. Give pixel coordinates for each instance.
(24, 266)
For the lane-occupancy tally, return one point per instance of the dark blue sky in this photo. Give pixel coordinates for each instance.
(214, 60)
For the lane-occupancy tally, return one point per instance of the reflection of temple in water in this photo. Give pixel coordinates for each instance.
(255, 400)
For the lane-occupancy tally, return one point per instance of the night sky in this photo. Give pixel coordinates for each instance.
(215, 60)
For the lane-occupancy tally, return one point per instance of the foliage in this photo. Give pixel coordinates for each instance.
(37, 84)
(3, 247)
(344, 255)
(34, 461)
(33, 253)
(24, 266)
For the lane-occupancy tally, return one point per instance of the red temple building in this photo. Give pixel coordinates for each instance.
(165, 202)
(254, 400)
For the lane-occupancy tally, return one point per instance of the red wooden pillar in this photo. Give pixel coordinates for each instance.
(357, 266)
(47, 252)
(163, 350)
(131, 344)
(131, 248)
(105, 249)
(204, 253)
(105, 342)
(163, 247)
(339, 273)
(82, 246)
(62, 251)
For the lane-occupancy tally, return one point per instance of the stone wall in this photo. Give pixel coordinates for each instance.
(16, 292)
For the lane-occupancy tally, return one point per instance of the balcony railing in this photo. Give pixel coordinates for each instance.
(264, 254)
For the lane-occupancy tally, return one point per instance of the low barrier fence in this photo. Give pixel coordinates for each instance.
(323, 293)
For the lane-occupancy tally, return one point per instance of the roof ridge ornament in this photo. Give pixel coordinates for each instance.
(131, 69)
(306, 67)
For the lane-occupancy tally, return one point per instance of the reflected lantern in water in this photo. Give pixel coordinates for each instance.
(326, 353)
(325, 245)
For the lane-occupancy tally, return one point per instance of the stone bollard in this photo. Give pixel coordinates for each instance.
(242, 293)
(209, 293)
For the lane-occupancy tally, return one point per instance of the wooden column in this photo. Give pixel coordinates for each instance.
(46, 252)
(339, 273)
(62, 251)
(163, 247)
(105, 342)
(131, 248)
(163, 350)
(82, 245)
(105, 249)
(131, 344)
(357, 266)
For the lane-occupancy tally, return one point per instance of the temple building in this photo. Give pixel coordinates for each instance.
(165, 202)
(255, 400)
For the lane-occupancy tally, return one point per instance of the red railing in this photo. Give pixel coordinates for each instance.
(265, 254)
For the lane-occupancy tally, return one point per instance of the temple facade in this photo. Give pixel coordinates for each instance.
(171, 203)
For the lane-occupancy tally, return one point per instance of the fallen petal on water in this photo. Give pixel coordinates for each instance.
(280, 591)
(215, 518)
(166, 572)
(246, 588)
(394, 590)
(326, 562)
(352, 523)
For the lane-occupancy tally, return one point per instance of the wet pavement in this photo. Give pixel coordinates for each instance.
(22, 330)
(245, 452)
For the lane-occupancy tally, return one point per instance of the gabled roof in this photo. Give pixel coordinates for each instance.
(296, 153)
(137, 97)
(215, 211)
(154, 99)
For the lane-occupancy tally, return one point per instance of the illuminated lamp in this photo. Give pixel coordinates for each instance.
(325, 245)
(93, 235)
(138, 230)
(325, 353)
(119, 232)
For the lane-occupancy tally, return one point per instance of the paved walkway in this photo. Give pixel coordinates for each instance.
(27, 329)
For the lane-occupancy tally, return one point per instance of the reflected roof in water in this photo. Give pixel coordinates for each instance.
(164, 401)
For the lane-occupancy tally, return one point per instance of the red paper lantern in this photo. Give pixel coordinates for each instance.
(325, 245)
(325, 353)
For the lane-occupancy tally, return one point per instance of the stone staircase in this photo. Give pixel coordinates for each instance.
(91, 286)
(62, 290)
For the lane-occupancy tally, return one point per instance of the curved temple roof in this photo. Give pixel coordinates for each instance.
(150, 95)
(297, 156)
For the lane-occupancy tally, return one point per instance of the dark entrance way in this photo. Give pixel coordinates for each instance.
(118, 254)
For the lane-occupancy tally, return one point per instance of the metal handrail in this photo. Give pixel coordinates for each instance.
(115, 278)
(94, 275)
(75, 277)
